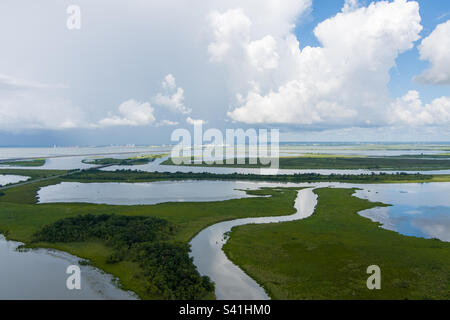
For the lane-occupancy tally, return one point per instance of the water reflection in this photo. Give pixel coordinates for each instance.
(144, 193)
(41, 274)
(421, 210)
(414, 220)
(231, 282)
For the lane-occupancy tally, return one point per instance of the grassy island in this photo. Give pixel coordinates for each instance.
(326, 255)
(147, 241)
(24, 163)
(340, 162)
(322, 257)
(119, 162)
(93, 175)
(135, 161)
(119, 244)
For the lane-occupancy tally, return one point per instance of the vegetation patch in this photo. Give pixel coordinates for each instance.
(33, 173)
(93, 175)
(21, 219)
(326, 155)
(152, 156)
(119, 162)
(24, 163)
(337, 162)
(167, 267)
(326, 256)
(133, 161)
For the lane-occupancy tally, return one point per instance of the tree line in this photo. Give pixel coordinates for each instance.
(140, 176)
(168, 270)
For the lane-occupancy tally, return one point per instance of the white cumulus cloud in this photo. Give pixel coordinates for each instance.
(194, 122)
(230, 29)
(410, 110)
(131, 113)
(344, 81)
(167, 123)
(350, 5)
(263, 53)
(436, 49)
(173, 98)
(244, 57)
(169, 82)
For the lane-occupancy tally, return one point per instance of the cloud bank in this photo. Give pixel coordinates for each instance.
(241, 61)
(344, 82)
(132, 113)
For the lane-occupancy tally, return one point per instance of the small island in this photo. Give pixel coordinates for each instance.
(136, 161)
(337, 162)
(24, 163)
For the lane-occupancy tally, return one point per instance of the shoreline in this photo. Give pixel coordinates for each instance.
(105, 285)
(229, 271)
(206, 227)
(273, 271)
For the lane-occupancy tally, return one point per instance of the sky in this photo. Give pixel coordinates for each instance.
(103, 72)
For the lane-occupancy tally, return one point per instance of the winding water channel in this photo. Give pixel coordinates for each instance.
(157, 166)
(231, 282)
(417, 210)
(75, 162)
(421, 210)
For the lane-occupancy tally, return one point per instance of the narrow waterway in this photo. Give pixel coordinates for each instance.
(420, 210)
(157, 166)
(75, 162)
(231, 282)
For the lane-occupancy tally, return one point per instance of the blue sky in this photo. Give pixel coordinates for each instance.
(433, 12)
(135, 71)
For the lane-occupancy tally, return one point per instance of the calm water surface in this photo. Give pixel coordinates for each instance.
(231, 282)
(18, 153)
(156, 166)
(421, 210)
(7, 179)
(41, 274)
(71, 158)
(144, 193)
